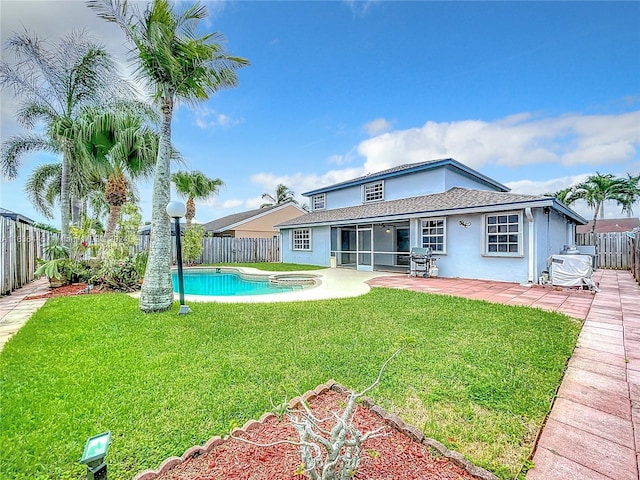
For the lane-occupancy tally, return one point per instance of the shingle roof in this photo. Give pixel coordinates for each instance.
(608, 225)
(222, 224)
(411, 168)
(454, 199)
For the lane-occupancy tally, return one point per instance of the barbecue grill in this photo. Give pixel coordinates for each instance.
(420, 261)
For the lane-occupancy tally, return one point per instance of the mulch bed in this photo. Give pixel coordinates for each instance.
(66, 291)
(394, 456)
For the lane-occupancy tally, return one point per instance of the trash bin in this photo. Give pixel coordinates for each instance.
(332, 262)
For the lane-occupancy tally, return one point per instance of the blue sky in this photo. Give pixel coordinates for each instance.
(536, 95)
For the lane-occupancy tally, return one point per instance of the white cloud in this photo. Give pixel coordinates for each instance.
(377, 126)
(206, 118)
(512, 141)
(530, 187)
(359, 8)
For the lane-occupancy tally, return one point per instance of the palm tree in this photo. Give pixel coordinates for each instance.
(194, 186)
(597, 189)
(179, 66)
(43, 186)
(282, 195)
(119, 147)
(566, 195)
(630, 193)
(53, 83)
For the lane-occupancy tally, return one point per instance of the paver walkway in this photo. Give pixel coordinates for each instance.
(14, 312)
(593, 430)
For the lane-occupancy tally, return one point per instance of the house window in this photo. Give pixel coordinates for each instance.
(434, 234)
(318, 202)
(373, 192)
(503, 234)
(301, 239)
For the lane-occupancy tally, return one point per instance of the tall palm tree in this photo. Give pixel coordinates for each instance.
(53, 82)
(282, 195)
(597, 189)
(195, 186)
(178, 66)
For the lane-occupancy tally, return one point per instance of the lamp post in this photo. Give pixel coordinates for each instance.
(176, 210)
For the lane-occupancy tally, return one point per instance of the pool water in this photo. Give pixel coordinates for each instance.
(223, 283)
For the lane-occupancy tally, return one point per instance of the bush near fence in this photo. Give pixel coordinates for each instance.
(613, 250)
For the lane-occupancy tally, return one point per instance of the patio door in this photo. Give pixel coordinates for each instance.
(365, 249)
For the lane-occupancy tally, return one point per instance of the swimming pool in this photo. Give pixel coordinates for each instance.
(231, 282)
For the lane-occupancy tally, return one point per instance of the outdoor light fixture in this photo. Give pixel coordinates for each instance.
(176, 210)
(95, 450)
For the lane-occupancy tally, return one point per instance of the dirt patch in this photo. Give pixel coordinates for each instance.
(66, 291)
(393, 456)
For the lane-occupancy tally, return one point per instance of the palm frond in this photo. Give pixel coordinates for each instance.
(19, 145)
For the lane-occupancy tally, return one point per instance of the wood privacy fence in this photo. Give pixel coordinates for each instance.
(613, 250)
(635, 257)
(21, 244)
(230, 250)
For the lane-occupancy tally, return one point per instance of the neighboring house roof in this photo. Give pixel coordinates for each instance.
(15, 216)
(454, 201)
(413, 168)
(231, 222)
(609, 225)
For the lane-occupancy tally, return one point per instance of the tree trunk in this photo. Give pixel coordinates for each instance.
(595, 218)
(65, 196)
(157, 290)
(114, 214)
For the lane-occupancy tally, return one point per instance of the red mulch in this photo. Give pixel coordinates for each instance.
(392, 457)
(65, 291)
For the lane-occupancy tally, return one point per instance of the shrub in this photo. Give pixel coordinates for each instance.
(192, 246)
(118, 275)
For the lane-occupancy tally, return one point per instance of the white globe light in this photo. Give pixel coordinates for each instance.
(176, 209)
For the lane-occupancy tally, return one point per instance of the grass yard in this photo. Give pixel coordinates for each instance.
(480, 379)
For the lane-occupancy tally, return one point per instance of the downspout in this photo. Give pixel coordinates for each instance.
(529, 214)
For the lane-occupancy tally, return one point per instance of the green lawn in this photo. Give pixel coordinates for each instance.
(480, 379)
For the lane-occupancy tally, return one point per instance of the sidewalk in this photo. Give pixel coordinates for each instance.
(15, 311)
(593, 431)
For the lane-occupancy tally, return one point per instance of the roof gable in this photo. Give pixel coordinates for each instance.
(410, 168)
(234, 220)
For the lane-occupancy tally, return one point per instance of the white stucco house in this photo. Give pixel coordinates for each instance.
(474, 226)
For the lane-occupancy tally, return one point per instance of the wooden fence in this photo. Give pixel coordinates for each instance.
(230, 250)
(21, 244)
(635, 257)
(613, 250)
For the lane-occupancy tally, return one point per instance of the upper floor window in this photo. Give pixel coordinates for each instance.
(373, 192)
(434, 234)
(318, 202)
(503, 234)
(301, 239)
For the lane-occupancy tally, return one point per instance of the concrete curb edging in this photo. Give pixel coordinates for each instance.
(392, 420)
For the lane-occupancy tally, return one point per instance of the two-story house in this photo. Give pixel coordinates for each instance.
(475, 228)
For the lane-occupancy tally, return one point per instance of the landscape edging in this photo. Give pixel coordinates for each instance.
(392, 420)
